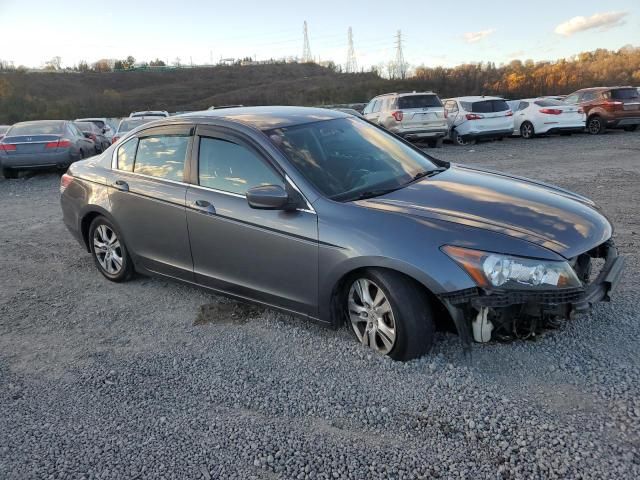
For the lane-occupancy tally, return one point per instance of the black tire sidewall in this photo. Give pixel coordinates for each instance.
(127, 267)
(412, 312)
(599, 120)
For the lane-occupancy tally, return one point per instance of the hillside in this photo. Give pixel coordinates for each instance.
(69, 94)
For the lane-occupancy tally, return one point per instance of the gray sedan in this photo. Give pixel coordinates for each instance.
(42, 143)
(321, 214)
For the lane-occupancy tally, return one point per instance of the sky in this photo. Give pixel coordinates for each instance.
(434, 33)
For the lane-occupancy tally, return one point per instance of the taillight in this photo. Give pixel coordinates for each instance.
(398, 115)
(473, 116)
(65, 181)
(7, 147)
(551, 111)
(509, 113)
(612, 102)
(62, 143)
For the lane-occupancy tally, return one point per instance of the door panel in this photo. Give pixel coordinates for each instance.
(266, 255)
(151, 215)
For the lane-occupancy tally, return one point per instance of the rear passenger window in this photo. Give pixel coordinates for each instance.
(126, 154)
(162, 156)
(376, 106)
(523, 105)
(234, 168)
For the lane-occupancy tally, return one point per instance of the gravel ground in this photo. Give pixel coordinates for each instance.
(153, 379)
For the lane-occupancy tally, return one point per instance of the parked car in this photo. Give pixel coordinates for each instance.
(3, 130)
(101, 123)
(608, 107)
(543, 116)
(128, 124)
(95, 133)
(322, 214)
(42, 143)
(477, 118)
(412, 116)
(150, 113)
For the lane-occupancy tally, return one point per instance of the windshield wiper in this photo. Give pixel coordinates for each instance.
(374, 193)
(426, 173)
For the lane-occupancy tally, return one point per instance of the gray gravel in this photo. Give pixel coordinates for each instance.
(139, 380)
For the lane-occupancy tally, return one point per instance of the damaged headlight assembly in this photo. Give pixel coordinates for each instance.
(503, 271)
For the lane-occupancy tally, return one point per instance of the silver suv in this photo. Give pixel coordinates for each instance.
(413, 116)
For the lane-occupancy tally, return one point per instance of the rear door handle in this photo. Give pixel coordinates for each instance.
(204, 206)
(121, 185)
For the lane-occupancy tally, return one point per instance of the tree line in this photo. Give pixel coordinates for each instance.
(104, 90)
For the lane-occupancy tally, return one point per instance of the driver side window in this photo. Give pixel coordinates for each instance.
(231, 167)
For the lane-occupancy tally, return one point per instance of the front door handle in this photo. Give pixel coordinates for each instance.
(204, 206)
(121, 185)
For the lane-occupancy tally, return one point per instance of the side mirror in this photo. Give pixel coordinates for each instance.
(268, 197)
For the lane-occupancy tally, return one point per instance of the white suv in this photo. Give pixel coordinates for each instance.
(413, 116)
(473, 118)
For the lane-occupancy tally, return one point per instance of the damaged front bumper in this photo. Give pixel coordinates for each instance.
(518, 313)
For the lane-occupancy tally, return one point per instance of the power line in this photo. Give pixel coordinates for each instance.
(399, 69)
(306, 48)
(352, 65)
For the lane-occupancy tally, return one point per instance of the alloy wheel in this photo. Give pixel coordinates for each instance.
(371, 316)
(594, 126)
(526, 130)
(107, 249)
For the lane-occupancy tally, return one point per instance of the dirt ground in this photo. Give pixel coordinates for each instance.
(152, 378)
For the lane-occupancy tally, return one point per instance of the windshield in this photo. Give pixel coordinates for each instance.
(347, 158)
(126, 125)
(38, 128)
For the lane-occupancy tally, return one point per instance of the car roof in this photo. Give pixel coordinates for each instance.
(92, 119)
(38, 121)
(265, 118)
(475, 98)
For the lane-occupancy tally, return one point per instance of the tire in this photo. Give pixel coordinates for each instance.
(630, 128)
(405, 330)
(109, 254)
(527, 131)
(435, 143)
(595, 125)
(9, 173)
(458, 140)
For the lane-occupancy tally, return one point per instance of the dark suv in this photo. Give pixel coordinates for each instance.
(608, 107)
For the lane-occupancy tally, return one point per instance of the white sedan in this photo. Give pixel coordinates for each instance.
(542, 116)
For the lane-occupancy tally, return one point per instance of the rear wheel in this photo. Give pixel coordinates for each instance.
(595, 125)
(527, 131)
(109, 251)
(630, 128)
(9, 173)
(390, 314)
(458, 140)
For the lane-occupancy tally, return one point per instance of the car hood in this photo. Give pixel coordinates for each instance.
(548, 216)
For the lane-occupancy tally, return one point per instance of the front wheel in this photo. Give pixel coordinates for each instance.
(527, 131)
(390, 314)
(109, 251)
(595, 125)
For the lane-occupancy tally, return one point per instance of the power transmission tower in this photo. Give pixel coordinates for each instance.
(399, 66)
(352, 66)
(306, 49)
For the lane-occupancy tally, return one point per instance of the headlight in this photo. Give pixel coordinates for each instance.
(506, 271)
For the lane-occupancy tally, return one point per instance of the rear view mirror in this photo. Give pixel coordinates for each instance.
(268, 197)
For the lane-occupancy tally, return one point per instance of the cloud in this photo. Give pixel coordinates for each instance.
(473, 37)
(602, 21)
